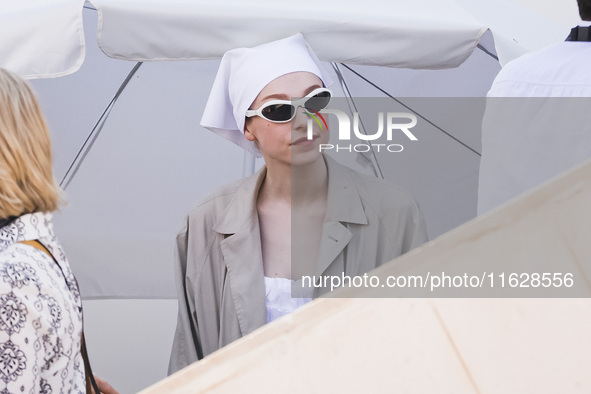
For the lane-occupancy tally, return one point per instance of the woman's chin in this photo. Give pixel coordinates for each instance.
(305, 157)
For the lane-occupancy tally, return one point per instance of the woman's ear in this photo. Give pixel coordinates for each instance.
(249, 136)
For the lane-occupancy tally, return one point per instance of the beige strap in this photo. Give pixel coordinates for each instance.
(37, 245)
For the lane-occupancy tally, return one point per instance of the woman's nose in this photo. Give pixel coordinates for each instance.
(300, 121)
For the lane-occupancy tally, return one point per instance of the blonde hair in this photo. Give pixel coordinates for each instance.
(27, 184)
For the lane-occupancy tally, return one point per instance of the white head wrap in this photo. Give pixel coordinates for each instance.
(243, 73)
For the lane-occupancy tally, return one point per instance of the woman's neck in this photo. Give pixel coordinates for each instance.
(299, 184)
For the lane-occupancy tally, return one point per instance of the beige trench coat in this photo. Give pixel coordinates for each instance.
(219, 268)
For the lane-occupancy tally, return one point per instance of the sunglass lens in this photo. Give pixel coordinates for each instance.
(318, 101)
(278, 112)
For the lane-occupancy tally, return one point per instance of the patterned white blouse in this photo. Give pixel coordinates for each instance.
(40, 312)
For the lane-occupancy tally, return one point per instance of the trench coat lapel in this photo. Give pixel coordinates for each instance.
(343, 206)
(241, 249)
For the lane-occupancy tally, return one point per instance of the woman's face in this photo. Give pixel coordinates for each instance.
(286, 142)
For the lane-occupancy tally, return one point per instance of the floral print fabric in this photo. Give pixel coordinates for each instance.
(40, 312)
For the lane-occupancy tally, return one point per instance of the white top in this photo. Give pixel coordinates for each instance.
(526, 142)
(278, 298)
(559, 70)
(40, 312)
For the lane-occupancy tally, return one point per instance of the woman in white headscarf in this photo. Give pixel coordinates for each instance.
(301, 214)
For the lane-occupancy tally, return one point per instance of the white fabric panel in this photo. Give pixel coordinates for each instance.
(41, 38)
(401, 33)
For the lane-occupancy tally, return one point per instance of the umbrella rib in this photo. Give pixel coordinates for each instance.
(489, 53)
(410, 109)
(89, 6)
(375, 163)
(95, 132)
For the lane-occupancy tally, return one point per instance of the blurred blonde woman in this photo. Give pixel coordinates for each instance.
(40, 304)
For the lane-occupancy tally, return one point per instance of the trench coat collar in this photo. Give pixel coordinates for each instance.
(344, 204)
(241, 210)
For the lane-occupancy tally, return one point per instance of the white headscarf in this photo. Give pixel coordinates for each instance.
(243, 73)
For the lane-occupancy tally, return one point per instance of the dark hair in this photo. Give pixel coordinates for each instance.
(585, 9)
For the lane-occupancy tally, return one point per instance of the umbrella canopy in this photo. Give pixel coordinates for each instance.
(45, 38)
(41, 39)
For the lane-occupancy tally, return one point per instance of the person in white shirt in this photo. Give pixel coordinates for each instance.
(537, 122)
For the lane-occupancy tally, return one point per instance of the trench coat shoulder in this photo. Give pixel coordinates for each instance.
(213, 206)
(379, 195)
(204, 216)
(395, 207)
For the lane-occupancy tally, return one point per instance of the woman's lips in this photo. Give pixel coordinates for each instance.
(304, 140)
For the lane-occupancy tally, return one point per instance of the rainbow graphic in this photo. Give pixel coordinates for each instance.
(317, 115)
